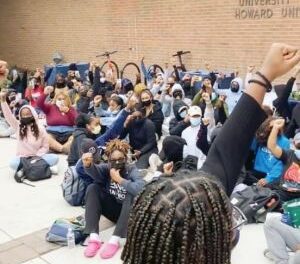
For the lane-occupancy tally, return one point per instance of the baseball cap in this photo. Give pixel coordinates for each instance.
(194, 111)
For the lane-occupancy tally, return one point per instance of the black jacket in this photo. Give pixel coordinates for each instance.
(177, 125)
(141, 135)
(75, 153)
(98, 87)
(157, 117)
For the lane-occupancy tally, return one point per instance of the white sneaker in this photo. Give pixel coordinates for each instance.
(20, 173)
(269, 255)
(154, 162)
(54, 169)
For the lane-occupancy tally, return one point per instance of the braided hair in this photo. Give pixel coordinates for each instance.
(33, 127)
(183, 219)
(117, 144)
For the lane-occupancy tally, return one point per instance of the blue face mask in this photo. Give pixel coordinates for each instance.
(183, 114)
(297, 153)
(213, 96)
(195, 121)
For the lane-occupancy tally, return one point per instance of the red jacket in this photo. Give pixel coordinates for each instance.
(32, 94)
(53, 116)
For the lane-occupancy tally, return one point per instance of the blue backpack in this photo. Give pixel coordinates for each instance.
(73, 187)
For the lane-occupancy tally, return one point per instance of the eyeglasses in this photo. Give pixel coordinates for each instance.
(238, 218)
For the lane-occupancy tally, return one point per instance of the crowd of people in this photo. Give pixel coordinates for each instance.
(197, 143)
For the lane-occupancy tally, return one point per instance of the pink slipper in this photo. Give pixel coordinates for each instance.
(109, 250)
(92, 248)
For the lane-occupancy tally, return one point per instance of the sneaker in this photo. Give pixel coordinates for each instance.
(92, 248)
(109, 250)
(20, 173)
(54, 169)
(154, 162)
(269, 255)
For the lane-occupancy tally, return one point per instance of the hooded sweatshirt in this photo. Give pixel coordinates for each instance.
(177, 125)
(232, 98)
(29, 146)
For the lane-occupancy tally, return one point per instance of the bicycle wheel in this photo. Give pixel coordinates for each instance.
(130, 71)
(111, 71)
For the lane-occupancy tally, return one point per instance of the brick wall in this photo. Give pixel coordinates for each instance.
(220, 31)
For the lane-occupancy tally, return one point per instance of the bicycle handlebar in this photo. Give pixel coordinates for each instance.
(180, 52)
(107, 54)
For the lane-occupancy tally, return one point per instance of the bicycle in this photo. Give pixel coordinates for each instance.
(127, 71)
(179, 55)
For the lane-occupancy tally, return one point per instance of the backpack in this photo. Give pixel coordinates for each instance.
(73, 187)
(59, 230)
(34, 169)
(252, 202)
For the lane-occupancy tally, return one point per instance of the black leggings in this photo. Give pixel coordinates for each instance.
(99, 202)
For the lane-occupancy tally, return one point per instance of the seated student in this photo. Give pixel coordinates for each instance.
(60, 117)
(280, 239)
(111, 194)
(86, 127)
(32, 137)
(142, 137)
(100, 83)
(232, 95)
(108, 116)
(187, 218)
(181, 120)
(153, 110)
(34, 90)
(166, 97)
(191, 132)
(288, 187)
(267, 169)
(85, 99)
(5, 83)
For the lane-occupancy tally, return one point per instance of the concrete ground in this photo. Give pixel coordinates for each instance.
(26, 213)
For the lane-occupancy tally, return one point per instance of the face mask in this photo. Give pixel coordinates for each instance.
(102, 79)
(60, 85)
(59, 104)
(183, 114)
(96, 130)
(27, 120)
(195, 121)
(146, 103)
(297, 154)
(114, 112)
(213, 96)
(118, 165)
(234, 88)
(177, 94)
(83, 93)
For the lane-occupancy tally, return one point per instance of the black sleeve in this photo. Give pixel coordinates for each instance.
(176, 73)
(213, 78)
(96, 81)
(91, 77)
(151, 138)
(286, 155)
(202, 142)
(228, 152)
(282, 100)
(177, 129)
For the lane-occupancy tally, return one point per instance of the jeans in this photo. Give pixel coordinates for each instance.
(51, 159)
(279, 236)
(98, 203)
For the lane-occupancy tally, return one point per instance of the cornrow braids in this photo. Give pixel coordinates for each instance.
(182, 219)
(117, 144)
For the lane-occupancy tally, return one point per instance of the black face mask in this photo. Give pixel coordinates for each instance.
(27, 120)
(177, 94)
(118, 165)
(187, 84)
(83, 94)
(234, 88)
(60, 85)
(146, 103)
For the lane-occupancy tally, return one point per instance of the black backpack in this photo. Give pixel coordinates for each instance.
(253, 200)
(34, 169)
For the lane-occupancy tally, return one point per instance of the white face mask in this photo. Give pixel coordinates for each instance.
(183, 114)
(114, 112)
(213, 96)
(96, 130)
(60, 104)
(195, 121)
(297, 153)
(102, 79)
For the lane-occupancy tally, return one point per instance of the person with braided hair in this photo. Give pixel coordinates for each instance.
(111, 194)
(186, 217)
(32, 137)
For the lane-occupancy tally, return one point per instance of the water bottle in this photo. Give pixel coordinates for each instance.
(70, 238)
